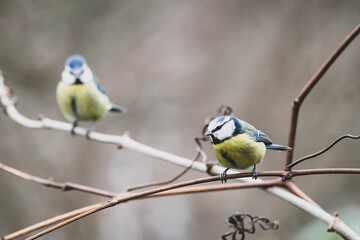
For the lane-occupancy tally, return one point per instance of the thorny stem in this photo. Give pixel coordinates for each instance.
(310, 85)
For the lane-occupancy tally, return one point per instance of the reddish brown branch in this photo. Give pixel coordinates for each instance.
(173, 179)
(290, 166)
(310, 85)
(67, 186)
(219, 187)
(184, 190)
(48, 222)
(128, 197)
(291, 186)
(325, 171)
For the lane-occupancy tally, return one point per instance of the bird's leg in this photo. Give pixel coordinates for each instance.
(90, 129)
(223, 176)
(254, 172)
(74, 125)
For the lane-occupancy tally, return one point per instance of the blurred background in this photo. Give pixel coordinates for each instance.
(172, 64)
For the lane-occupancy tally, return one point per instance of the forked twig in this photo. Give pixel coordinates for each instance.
(310, 85)
(132, 196)
(126, 142)
(184, 190)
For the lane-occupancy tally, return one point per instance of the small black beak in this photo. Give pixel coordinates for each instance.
(208, 133)
(78, 81)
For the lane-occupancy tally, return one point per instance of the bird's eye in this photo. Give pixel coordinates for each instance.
(220, 126)
(217, 128)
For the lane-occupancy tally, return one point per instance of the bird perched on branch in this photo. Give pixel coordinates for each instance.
(80, 96)
(237, 144)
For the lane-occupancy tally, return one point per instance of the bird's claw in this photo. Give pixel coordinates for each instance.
(72, 131)
(254, 174)
(88, 133)
(90, 129)
(223, 177)
(74, 125)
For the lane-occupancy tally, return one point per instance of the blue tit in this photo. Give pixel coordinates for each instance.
(80, 96)
(237, 144)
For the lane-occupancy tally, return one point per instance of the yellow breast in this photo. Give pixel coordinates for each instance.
(240, 151)
(81, 102)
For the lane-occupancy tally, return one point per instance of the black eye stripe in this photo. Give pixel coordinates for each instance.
(74, 73)
(220, 126)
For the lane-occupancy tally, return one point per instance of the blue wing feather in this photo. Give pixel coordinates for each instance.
(100, 88)
(259, 136)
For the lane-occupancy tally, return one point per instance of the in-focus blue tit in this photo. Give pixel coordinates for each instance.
(80, 96)
(237, 144)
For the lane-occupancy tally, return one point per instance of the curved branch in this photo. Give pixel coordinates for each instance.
(310, 85)
(291, 165)
(127, 142)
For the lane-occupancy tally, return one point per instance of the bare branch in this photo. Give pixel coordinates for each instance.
(184, 190)
(341, 227)
(127, 142)
(310, 85)
(291, 186)
(48, 222)
(67, 186)
(291, 165)
(219, 187)
(173, 179)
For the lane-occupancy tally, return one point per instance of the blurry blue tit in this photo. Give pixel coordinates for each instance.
(237, 144)
(80, 96)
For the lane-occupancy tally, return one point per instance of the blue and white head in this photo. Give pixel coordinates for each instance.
(222, 128)
(76, 71)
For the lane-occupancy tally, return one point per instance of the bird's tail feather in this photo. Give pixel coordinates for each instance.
(278, 147)
(117, 109)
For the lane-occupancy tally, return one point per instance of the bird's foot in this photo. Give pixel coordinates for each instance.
(88, 133)
(223, 176)
(72, 131)
(254, 173)
(90, 129)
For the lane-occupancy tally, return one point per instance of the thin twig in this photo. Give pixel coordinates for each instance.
(128, 197)
(67, 186)
(173, 179)
(310, 85)
(184, 190)
(291, 165)
(48, 222)
(127, 142)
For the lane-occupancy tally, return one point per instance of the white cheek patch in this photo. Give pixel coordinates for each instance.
(215, 123)
(226, 131)
(87, 75)
(67, 78)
